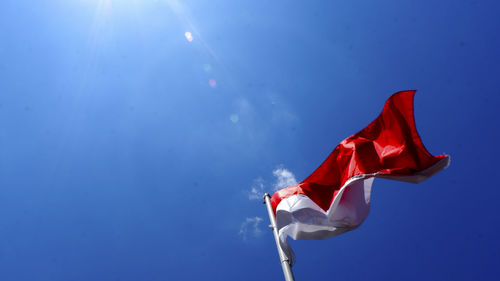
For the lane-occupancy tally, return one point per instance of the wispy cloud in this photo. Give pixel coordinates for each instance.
(257, 189)
(284, 178)
(250, 227)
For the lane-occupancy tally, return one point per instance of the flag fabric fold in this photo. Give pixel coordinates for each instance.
(335, 198)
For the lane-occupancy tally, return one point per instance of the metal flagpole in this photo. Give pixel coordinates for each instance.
(287, 271)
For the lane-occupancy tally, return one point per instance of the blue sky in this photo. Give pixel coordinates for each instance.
(128, 152)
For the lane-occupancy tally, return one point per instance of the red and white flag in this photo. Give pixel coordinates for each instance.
(335, 198)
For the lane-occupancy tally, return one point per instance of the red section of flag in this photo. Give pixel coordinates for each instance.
(390, 146)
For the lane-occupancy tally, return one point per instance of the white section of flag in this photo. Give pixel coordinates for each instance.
(300, 218)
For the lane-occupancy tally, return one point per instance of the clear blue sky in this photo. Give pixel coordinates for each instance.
(128, 152)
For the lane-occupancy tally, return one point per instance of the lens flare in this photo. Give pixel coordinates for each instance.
(234, 118)
(212, 82)
(189, 36)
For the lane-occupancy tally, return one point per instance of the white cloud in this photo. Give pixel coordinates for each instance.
(284, 178)
(257, 189)
(250, 227)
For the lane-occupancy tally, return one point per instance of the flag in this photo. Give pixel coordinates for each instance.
(335, 198)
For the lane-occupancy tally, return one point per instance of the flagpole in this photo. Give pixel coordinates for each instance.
(287, 271)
